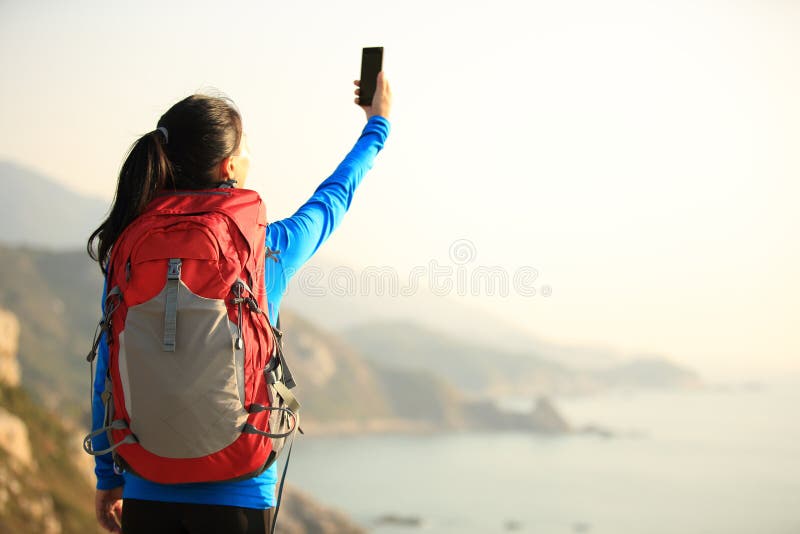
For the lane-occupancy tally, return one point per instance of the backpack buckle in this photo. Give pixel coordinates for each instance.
(174, 272)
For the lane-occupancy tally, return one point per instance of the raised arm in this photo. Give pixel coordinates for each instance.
(298, 237)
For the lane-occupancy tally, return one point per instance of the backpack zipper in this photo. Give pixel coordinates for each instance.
(238, 300)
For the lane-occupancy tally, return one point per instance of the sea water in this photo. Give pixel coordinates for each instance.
(713, 461)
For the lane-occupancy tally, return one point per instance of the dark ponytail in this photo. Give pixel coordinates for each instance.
(201, 131)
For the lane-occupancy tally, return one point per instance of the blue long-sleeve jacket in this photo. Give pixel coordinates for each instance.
(297, 238)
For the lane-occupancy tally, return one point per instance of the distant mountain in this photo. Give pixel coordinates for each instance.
(480, 370)
(475, 369)
(333, 380)
(422, 396)
(649, 372)
(324, 304)
(37, 211)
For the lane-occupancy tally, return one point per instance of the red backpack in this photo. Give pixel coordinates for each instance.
(197, 388)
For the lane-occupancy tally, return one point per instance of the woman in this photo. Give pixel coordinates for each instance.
(199, 144)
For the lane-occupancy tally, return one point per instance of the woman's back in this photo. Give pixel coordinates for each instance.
(290, 243)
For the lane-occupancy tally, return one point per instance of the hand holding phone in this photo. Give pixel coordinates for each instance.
(373, 93)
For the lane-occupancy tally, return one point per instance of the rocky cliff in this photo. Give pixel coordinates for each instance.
(27, 504)
(9, 343)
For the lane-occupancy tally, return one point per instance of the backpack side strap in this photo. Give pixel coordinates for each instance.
(117, 424)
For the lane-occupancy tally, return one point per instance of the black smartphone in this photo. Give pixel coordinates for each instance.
(371, 65)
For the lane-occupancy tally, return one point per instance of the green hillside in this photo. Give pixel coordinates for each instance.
(56, 296)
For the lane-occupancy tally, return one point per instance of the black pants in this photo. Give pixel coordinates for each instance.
(156, 517)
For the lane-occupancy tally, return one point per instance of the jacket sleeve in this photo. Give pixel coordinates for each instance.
(103, 465)
(298, 237)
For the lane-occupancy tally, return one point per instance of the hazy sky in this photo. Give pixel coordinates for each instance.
(642, 156)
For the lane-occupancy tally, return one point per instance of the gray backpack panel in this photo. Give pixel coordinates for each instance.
(187, 403)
